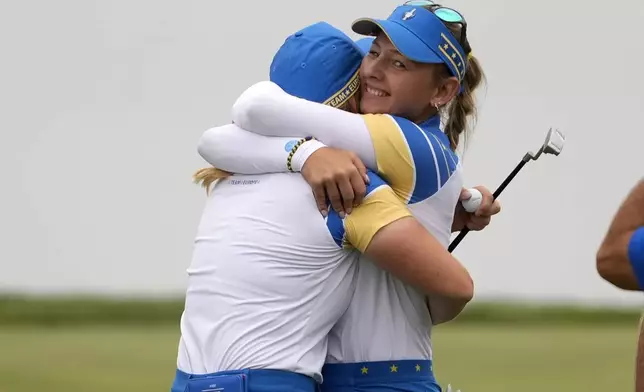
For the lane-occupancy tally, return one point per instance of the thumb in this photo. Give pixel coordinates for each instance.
(465, 194)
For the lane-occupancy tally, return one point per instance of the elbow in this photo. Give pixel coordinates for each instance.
(459, 288)
(605, 265)
(608, 266)
(467, 293)
(463, 290)
(206, 146)
(615, 269)
(201, 144)
(251, 103)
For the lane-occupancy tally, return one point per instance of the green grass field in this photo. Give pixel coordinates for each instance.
(474, 358)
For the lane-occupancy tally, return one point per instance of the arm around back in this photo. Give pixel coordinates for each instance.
(382, 228)
(408, 251)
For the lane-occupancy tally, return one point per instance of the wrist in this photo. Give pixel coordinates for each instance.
(303, 153)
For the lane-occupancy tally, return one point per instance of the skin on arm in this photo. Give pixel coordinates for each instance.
(444, 309)
(383, 229)
(613, 262)
(409, 252)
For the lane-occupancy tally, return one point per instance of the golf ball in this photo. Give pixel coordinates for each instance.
(472, 204)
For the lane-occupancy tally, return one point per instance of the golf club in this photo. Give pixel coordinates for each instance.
(553, 145)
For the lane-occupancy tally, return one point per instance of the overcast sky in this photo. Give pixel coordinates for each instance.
(104, 101)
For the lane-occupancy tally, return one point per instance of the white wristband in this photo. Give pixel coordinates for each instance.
(304, 152)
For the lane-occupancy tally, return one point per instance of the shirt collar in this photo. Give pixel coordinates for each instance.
(432, 125)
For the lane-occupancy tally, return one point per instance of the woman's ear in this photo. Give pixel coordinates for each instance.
(447, 91)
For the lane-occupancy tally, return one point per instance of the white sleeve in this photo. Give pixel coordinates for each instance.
(235, 150)
(266, 109)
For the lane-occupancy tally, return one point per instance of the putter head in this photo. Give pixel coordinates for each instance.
(554, 142)
(553, 145)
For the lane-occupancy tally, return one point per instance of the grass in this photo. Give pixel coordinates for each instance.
(531, 359)
(474, 358)
(86, 311)
(92, 359)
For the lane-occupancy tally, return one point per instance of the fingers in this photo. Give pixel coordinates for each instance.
(465, 194)
(352, 185)
(335, 198)
(320, 198)
(359, 188)
(496, 208)
(362, 169)
(488, 206)
(350, 182)
(350, 188)
(478, 223)
(346, 192)
(336, 177)
(485, 192)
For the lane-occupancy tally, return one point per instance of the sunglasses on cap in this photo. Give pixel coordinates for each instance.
(448, 15)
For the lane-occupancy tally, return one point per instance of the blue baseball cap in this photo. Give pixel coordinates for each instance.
(420, 36)
(364, 44)
(318, 63)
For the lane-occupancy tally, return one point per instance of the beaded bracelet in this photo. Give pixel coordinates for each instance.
(297, 145)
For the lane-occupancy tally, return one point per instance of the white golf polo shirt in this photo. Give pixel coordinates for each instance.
(269, 276)
(388, 319)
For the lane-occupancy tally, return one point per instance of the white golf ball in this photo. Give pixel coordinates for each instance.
(472, 204)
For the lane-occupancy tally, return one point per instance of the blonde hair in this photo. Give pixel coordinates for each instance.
(208, 176)
(462, 109)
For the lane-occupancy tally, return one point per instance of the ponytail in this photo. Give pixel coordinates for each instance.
(207, 176)
(463, 106)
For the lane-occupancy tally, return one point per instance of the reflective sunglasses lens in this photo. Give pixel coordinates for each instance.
(448, 15)
(420, 3)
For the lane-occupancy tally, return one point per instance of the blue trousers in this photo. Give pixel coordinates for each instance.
(385, 376)
(247, 380)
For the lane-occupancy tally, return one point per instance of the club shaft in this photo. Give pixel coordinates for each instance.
(509, 179)
(496, 194)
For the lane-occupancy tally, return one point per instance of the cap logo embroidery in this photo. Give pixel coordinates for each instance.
(409, 14)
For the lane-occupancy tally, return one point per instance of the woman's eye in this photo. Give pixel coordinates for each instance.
(399, 64)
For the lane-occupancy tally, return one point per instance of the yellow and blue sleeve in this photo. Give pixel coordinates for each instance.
(413, 161)
(380, 207)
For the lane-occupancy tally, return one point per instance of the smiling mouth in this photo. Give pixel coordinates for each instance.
(375, 92)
